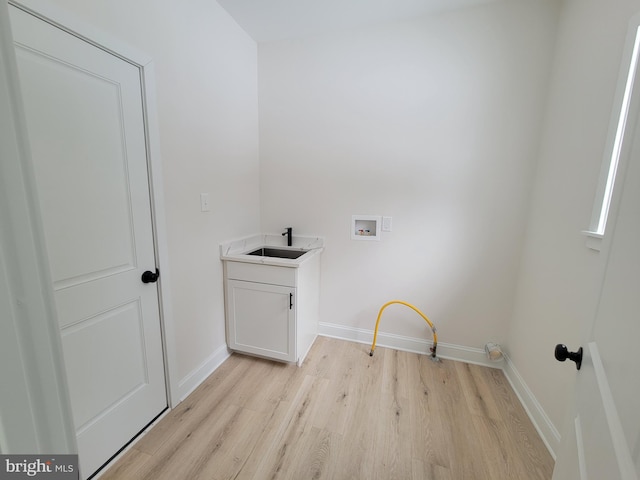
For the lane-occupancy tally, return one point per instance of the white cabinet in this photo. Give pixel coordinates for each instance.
(272, 311)
(261, 319)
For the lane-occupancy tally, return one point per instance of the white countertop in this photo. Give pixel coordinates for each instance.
(236, 250)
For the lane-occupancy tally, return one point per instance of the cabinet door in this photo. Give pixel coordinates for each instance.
(261, 319)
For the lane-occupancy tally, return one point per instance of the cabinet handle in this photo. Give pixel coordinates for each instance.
(290, 301)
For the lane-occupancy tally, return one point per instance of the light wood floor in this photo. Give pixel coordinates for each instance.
(343, 415)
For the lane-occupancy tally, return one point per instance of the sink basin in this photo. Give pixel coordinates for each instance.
(277, 252)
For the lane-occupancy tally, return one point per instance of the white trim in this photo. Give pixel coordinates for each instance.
(156, 184)
(618, 437)
(541, 421)
(594, 240)
(193, 380)
(68, 22)
(620, 135)
(624, 114)
(449, 351)
(582, 460)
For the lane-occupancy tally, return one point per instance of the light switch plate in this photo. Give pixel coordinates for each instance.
(386, 224)
(204, 202)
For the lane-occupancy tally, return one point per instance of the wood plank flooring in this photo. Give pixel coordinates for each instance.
(343, 415)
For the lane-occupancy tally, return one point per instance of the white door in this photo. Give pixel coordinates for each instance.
(262, 319)
(604, 439)
(86, 128)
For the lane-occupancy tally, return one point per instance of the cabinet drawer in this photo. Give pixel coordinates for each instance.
(253, 272)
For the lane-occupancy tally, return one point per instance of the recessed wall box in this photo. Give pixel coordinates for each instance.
(365, 227)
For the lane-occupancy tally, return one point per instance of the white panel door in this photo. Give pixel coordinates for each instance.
(86, 127)
(604, 439)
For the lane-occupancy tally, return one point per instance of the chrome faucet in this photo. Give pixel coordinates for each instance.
(289, 235)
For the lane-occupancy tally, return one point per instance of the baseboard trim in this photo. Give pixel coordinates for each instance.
(541, 421)
(547, 431)
(408, 344)
(193, 380)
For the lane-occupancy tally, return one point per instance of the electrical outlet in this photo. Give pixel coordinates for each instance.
(204, 202)
(386, 224)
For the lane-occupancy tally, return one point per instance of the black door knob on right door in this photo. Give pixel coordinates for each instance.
(562, 353)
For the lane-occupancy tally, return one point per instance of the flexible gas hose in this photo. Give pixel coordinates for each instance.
(433, 329)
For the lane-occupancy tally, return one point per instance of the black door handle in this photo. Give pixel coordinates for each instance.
(562, 353)
(150, 277)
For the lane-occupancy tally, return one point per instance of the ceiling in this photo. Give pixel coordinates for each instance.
(269, 20)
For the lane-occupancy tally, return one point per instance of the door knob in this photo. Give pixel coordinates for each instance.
(562, 353)
(150, 277)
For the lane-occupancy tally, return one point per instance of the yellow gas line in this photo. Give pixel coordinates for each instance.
(433, 329)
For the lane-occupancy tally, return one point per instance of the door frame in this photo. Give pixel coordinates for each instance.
(145, 64)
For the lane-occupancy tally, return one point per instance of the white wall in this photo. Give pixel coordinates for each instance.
(558, 282)
(206, 70)
(434, 122)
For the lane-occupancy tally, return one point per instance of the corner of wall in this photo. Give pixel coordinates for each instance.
(199, 374)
